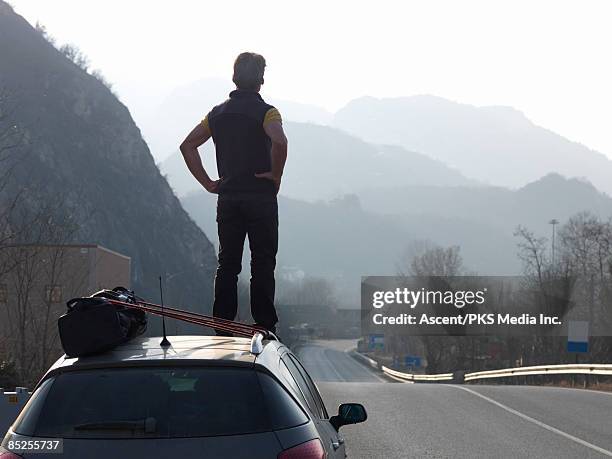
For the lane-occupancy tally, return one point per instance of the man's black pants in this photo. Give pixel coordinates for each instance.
(257, 218)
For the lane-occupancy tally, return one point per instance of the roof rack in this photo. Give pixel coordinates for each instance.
(256, 332)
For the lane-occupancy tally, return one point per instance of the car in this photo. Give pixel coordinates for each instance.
(203, 396)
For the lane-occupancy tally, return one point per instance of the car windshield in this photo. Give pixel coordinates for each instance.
(159, 403)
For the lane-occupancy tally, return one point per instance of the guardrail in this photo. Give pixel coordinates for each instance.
(365, 359)
(461, 377)
(565, 369)
(398, 374)
(584, 369)
(415, 377)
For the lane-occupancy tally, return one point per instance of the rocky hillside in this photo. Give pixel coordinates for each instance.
(81, 145)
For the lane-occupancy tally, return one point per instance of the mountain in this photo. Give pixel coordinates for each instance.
(335, 240)
(341, 241)
(83, 147)
(534, 205)
(166, 126)
(313, 234)
(324, 162)
(353, 236)
(495, 145)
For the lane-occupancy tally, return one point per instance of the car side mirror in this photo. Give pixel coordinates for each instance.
(349, 413)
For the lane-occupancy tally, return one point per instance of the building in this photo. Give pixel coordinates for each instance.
(56, 273)
(36, 281)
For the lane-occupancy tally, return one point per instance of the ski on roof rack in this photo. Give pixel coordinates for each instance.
(216, 323)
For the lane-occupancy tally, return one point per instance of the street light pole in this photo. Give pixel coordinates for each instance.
(554, 223)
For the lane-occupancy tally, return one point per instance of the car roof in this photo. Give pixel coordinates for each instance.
(147, 350)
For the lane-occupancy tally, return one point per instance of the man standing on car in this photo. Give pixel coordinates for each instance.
(251, 150)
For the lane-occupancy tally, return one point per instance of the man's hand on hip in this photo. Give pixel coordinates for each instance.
(212, 186)
(274, 130)
(189, 148)
(270, 176)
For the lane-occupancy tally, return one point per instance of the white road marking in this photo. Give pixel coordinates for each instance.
(377, 377)
(323, 352)
(317, 357)
(539, 423)
(361, 365)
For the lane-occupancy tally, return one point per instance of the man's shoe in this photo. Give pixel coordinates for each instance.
(272, 329)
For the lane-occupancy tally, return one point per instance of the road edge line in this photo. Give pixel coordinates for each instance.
(354, 355)
(538, 423)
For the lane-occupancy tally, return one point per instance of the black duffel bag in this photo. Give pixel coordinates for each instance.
(93, 324)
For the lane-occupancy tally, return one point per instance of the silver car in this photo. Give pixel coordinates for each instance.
(202, 397)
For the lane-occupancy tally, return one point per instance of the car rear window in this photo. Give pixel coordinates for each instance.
(159, 403)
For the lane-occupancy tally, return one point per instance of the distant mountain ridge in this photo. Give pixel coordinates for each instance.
(324, 163)
(495, 145)
(368, 233)
(535, 204)
(83, 144)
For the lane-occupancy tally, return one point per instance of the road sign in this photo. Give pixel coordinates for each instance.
(377, 341)
(413, 361)
(578, 336)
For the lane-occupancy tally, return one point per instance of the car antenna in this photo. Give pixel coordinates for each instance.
(164, 342)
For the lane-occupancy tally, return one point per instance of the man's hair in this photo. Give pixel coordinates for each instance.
(249, 71)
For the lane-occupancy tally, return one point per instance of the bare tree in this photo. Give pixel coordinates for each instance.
(424, 258)
(98, 75)
(39, 266)
(33, 233)
(438, 261)
(581, 278)
(41, 29)
(532, 252)
(587, 246)
(73, 53)
(313, 291)
(11, 138)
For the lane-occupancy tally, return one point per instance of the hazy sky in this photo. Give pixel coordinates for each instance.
(549, 59)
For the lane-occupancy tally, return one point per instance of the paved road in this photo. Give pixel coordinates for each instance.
(329, 361)
(447, 421)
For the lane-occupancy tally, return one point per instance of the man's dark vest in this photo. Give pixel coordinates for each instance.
(243, 147)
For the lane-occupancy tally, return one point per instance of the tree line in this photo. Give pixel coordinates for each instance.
(575, 265)
(33, 232)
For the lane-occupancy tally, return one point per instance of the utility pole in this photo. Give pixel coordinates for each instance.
(554, 223)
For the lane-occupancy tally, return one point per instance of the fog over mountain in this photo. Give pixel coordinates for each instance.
(553, 196)
(350, 207)
(325, 163)
(360, 186)
(166, 126)
(340, 241)
(496, 145)
(492, 145)
(369, 234)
